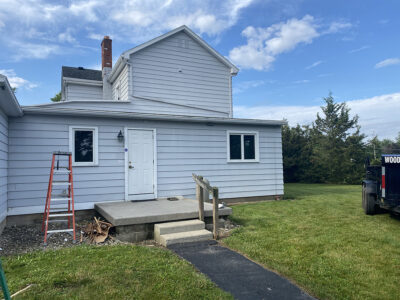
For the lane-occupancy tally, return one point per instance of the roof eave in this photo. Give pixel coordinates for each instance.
(146, 116)
(11, 105)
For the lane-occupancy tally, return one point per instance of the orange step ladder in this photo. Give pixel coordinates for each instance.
(65, 201)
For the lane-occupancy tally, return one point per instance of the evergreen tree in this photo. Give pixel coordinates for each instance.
(56, 98)
(374, 150)
(296, 153)
(337, 144)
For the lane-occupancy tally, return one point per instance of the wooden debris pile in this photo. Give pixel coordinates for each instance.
(97, 231)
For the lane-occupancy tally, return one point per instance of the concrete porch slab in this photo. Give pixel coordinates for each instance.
(154, 211)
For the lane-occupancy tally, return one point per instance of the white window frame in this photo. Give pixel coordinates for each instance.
(95, 161)
(242, 134)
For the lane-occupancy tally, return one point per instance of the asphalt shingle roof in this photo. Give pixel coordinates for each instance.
(81, 73)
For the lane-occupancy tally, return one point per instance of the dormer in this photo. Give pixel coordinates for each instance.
(81, 84)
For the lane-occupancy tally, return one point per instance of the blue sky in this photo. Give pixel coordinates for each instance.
(291, 53)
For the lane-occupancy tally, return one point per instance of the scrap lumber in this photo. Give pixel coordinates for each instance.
(97, 231)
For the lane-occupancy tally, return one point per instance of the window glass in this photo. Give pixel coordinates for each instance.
(249, 147)
(83, 142)
(235, 146)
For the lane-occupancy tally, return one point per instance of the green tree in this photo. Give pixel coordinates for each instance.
(56, 98)
(374, 150)
(338, 148)
(296, 153)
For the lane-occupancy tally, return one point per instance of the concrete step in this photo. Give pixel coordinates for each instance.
(175, 227)
(185, 237)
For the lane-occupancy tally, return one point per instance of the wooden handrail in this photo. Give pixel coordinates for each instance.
(201, 185)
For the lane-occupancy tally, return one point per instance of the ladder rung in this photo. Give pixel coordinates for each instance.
(61, 183)
(56, 221)
(61, 171)
(60, 199)
(58, 210)
(62, 153)
(59, 215)
(60, 195)
(60, 230)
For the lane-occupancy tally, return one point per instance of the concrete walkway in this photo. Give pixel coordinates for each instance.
(236, 274)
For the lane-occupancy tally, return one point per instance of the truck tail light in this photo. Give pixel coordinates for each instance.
(383, 185)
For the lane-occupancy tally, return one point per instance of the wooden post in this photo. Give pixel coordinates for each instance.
(200, 199)
(215, 212)
(206, 193)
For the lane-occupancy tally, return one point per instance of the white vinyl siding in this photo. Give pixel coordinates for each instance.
(120, 86)
(3, 165)
(83, 92)
(187, 75)
(173, 76)
(182, 149)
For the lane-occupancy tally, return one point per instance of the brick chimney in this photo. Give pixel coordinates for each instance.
(106, 53)
(106, 66)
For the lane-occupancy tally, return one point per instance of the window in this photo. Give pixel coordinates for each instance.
(243, 146)
(83, 143)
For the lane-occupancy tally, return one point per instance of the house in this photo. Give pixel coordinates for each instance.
(139, 129)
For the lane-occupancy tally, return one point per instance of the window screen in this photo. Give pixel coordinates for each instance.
(83, 145)
(235, 146)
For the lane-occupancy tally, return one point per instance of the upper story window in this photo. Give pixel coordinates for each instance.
(243, 146)
(83, 143)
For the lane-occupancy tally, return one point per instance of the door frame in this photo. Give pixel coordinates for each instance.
(126, 149)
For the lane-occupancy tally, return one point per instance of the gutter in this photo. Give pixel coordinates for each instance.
(82, 81)
(143, 116)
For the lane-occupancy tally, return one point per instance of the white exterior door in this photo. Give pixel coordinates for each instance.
(140, 163)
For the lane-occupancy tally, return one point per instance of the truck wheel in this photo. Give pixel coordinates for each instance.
(368, 202)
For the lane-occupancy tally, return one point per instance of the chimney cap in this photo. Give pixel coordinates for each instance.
(106, 37)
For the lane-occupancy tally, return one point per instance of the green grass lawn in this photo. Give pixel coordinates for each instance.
(107, 272)
(322, 240)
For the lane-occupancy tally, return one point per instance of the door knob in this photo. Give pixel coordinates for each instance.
(130, 165)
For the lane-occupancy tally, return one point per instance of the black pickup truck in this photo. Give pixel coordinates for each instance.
(381, 187)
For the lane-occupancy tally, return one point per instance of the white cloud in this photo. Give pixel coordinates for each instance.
(96, 36)
(17, 82)
(86, 9)
(43, 23)
(249, 84)
(286, 36)
(37, 51)
(387, 62)
(360, 49)
(67, 36)
(265, 44)
(335, 27)
(313, 65)
(301, 81)
(377, 115)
